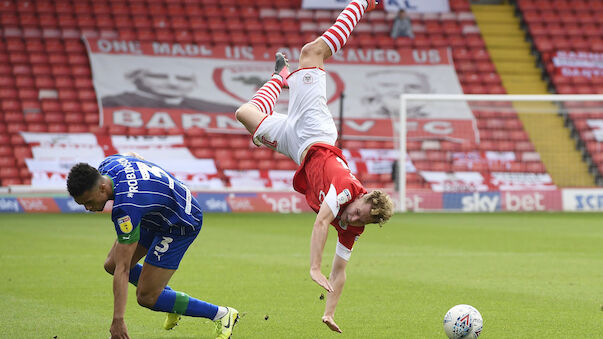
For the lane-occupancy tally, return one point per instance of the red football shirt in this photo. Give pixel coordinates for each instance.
(324, 177)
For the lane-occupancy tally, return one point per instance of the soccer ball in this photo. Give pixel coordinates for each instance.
(463, 321)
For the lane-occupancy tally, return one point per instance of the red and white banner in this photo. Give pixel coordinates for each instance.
(455, 181)
(511, 181)
(597, 127)
(582, 64)
(260, 179)
(390, 5)
(487, 158)
(375, 161)
(482, 182)
(165, 85)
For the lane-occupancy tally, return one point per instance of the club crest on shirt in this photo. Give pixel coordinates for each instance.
(344, 197)
(343, 225)
(307, 78)
(125, 224)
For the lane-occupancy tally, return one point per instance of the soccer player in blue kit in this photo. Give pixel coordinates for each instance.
(154, 215)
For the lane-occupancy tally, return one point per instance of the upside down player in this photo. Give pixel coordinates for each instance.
(154, 215)
(307, 135)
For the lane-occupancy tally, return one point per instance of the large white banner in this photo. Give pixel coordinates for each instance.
(424, 6)
(165, 85)
(170, 153)
(55, 153)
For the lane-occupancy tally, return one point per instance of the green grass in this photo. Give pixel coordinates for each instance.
(530, 275)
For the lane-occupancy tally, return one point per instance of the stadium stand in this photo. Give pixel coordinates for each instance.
(563, 32)
(46, 85)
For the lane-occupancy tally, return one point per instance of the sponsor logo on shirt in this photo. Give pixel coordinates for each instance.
(125, 224)
(344, 197)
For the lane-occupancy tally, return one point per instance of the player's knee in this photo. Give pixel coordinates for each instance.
(315, 49)
(146, 298)
(312, 49)
(241, 112)
(109, 266)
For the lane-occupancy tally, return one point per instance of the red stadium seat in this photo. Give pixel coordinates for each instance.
(203, 153)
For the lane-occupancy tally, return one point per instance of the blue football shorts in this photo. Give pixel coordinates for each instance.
(165, 250)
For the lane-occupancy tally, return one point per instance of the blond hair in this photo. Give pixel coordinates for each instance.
(382, 206)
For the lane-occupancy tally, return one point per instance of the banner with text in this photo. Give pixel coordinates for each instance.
(165, 85)
(582, 64)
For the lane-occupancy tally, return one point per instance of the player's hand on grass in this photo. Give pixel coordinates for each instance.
(320, 279)
(119, 330)
(331, 323)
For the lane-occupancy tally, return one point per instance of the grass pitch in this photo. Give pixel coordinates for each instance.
(530, 276)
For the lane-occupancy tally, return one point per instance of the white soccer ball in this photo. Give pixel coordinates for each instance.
(463, 321)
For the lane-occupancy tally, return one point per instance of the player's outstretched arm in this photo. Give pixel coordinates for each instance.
(317, 245)
(337, 279)
(123, 255)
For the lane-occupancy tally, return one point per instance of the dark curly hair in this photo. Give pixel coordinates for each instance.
(81, 178)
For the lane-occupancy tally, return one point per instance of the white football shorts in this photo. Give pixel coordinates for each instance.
(308, 120)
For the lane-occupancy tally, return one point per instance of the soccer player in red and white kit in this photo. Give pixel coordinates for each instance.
(307, 135)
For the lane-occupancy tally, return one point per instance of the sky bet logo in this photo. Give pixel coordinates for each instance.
(473, 202)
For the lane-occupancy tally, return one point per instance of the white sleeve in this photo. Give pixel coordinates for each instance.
(335, 200)
(331, 200)
(343, 252)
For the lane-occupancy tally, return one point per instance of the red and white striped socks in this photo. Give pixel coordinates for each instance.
(336, 36)
(265, 98)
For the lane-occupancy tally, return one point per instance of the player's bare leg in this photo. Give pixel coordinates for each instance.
(152, 281)
(314, 53)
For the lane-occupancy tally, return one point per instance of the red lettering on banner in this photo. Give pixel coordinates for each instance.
(39, 205)
(248, 204)
(355, 128)
(286, 202)
(435, 56)
(423, 200)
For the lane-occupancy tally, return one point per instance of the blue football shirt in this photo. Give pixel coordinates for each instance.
(145, 194)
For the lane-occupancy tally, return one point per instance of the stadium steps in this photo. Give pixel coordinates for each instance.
(512, 57)
(508, 49)
(552, 141)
